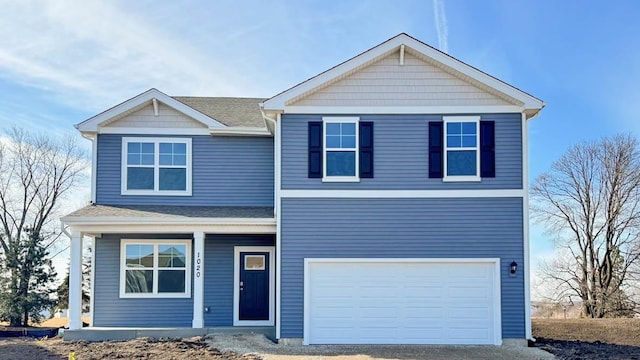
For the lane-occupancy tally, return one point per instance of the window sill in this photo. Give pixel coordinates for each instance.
(154, 193)
(461, 179)
(156, 296)
(340, 179)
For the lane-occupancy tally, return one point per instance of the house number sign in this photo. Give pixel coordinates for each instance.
(198, 264)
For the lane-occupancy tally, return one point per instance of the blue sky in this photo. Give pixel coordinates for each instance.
(64, 61)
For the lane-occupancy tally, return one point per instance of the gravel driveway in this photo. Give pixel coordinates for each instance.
(258, 344)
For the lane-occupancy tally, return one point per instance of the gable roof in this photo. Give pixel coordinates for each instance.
(530, 104)
(227, 110)
(214, 113)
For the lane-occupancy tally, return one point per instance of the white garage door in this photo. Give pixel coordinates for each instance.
(391, 301)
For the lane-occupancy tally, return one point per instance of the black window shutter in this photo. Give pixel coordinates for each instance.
(366, 149)
(315, 149)
(436, 145)
(487, 149)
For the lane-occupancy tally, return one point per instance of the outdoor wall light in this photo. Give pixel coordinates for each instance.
(514, 267)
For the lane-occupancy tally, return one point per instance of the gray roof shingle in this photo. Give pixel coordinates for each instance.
(230, 111)
(177, 212)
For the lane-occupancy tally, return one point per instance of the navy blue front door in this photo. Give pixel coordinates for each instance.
(254, 286)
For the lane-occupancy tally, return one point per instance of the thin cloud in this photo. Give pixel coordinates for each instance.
(441, 25)
(94, 54)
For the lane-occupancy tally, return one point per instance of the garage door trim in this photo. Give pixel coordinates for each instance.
(497, 310)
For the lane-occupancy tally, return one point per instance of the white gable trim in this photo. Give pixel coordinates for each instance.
(486, 109)
(278, 102)
(93, 124)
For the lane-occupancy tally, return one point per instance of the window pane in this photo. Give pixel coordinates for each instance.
(171, 281)
(139, 178)
(147, 159)
(133, 148)
(461, 163)
(148, 148)
(469, 141)
(454, 128)
(179, 159)
(453, 141)
(179, 148)
(133, 159)
(333, 141)
(349, 141)
(254, 262)
(138, 281)
(166, 148)
(333, 128)
(139, 255)
(166, 159)
(348, 129)
(469, 128)
(173, 179)
(341, 163)
(172, 256)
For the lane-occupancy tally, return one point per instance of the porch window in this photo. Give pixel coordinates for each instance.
(155, 268)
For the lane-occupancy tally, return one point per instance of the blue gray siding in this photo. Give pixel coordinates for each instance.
(111, 310)
(227, 171)
(402, 228)
(401, 154)
(218, 274)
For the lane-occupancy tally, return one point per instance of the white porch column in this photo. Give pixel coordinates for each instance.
(75, 282)
(198, 279)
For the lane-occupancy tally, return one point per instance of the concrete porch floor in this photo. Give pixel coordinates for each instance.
(120, 334)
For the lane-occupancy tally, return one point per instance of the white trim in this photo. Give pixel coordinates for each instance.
(198, 279)
(162, 220)
(439, 110)
(497, 309)
(236, 285)
(93, 123)
(154, 131)
(278, 102)
(278, 206)
(75, 281)
(93, 229)
(460, 119)
(404, 194)
(93, 281)
(525, 227)
(340, 120)
(155, 294)
(94, 163)
(240, 131)
(156, 167)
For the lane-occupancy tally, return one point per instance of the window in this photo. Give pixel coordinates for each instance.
(156, 166)
(155, 268)
(462, 158)
(341, 149)
(254, 262)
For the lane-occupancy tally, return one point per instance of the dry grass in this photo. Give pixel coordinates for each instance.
(611, 331)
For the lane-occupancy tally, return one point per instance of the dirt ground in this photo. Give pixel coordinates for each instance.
(588, 338)
(49, 349)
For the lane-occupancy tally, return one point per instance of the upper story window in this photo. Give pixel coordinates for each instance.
(461, 148)
(341, 159)
(156, 166)
(155, 268)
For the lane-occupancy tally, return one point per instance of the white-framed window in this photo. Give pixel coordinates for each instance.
(461, 148)
(155, 268)
(156, 166)
(340, 149)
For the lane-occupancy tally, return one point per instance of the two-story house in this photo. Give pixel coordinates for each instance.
(381, 201)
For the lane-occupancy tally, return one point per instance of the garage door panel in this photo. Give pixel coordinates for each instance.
(401, 303)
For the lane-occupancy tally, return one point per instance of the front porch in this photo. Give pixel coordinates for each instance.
(113, 333)
(216, 248)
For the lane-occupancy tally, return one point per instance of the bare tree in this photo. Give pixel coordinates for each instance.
(36, 172)
(589, 200)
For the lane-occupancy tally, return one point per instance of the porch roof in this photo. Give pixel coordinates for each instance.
(96, 219)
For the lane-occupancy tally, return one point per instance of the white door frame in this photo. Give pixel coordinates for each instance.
(236, 285)
(497, 309)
